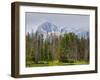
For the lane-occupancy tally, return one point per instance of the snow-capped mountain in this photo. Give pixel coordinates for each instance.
(77, 32)
(47, 27)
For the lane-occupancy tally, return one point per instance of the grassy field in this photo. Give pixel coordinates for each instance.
(54, 63)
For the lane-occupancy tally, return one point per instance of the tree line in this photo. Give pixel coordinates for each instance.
(68, 47)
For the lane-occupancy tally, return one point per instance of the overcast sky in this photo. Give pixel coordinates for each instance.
(71, 21)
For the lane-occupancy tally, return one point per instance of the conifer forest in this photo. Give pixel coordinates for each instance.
(51, 49)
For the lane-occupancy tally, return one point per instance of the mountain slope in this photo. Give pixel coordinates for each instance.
(47, 27)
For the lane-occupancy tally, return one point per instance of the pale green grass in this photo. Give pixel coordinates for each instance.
(54, 63)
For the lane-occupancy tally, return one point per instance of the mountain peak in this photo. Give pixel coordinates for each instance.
(47, 27)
